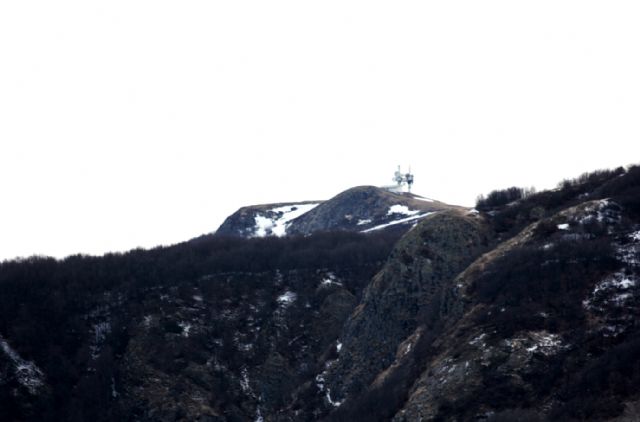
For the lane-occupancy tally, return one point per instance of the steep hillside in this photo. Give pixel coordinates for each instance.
(541, 326)
(526, 310)
(365, 209)
(359, 209)
(264, 220)
(422, 262)
(212, 329)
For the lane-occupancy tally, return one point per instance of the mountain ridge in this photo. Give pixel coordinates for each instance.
(524, 309)
(358, 209)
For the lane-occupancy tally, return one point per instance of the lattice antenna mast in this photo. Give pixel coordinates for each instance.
(398, 178)
(409, 179)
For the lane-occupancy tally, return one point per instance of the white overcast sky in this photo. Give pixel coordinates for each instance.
(138, 123)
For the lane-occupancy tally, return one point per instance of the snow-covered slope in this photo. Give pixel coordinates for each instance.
(264, 220)
(360, 209)
(275, 221)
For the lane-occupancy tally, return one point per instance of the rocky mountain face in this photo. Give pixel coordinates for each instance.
(524, 310)
(415, 278)
(533, 316)
(360, 209)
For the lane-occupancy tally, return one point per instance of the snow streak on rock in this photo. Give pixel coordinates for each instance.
(277, 219)
(26, 372)
(401, 221)
(401, 209)
(287, 298)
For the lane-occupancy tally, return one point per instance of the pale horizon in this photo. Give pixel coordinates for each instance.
(137, 124)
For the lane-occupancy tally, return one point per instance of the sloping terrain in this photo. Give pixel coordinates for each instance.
(359, 209)
(526, 310)
(213, 329)
(264, 220)
(541, 326)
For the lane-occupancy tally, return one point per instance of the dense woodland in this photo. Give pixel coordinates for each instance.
(45, 303)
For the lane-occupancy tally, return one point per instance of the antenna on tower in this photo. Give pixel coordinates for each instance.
(401, 179)
(409, 179)
(398, 178)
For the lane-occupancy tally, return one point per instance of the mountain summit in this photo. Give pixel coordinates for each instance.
(359, 209)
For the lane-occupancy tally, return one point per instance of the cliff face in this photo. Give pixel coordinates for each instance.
(557, 298)
(192, 356)
(535, 323)
(413, 282)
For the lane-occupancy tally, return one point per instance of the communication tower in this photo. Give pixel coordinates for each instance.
(401, 180)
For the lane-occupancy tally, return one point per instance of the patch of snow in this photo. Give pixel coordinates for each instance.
(334, 403)
(277, 225)
(320, 381)
(635, 236)
(197, 298)
(329, 280)
(422, 198)
(479, 340)
(603, 212)
(245, 347)
(259, 417)
(287, 298)
(401, 209)
(186, 328)
(630, 255)
(564, 226)
(114, 392)
(27, 373)
(279, 278)
(244, 381)
(264, 226)
(537, 341)
(613, 283)
(338, 347)
(401, 221)
(293, 213)
(620, 298)
(473, 211)
(546, 343)
(626, 283)
(100, 332)
(407, 350)
(147, 321)
(363, 222)
(613, 330)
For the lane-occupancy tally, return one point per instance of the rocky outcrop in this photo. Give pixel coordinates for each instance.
(505, 355)
(466, 323)
(420, 270)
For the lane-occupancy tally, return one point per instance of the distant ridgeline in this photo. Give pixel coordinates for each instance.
(360, 209)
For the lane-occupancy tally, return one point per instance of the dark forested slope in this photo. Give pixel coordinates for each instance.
(523, 309)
